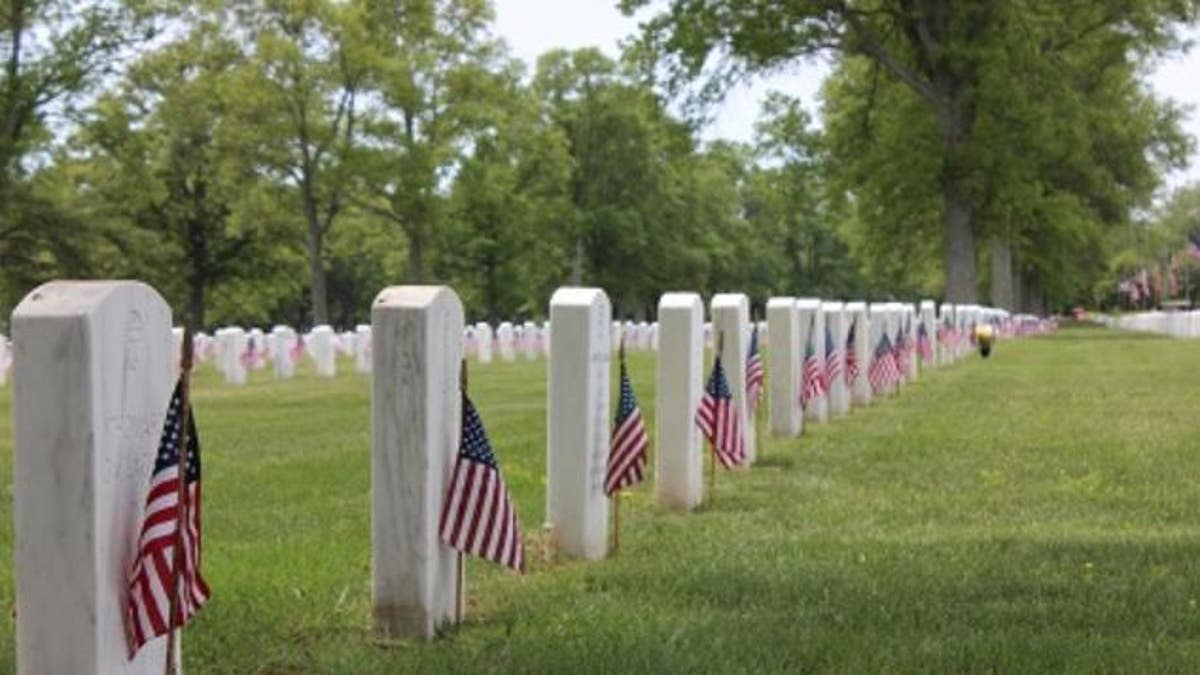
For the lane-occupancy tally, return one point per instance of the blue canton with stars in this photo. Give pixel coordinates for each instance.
(753, 342)
(628, 403)
(884, 346)
(718, 386)
(474, 445)
(850, 334)
(829, 348)
(168, 446)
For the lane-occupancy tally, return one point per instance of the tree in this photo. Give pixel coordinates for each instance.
(298, 107)
(155, 160)
(55, 51)
(943, 53)
(434, 70)
(499, 241)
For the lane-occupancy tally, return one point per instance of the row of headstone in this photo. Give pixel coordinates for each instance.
(1177, 323)
(235, 352)
(95, 370)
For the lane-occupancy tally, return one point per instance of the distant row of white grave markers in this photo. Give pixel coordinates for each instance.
(95, 364)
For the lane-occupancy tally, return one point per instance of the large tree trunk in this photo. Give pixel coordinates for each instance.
(316, 271)
(195, 308)
(1002, 275)
(577, 263)
(416, 256)
(960, 243)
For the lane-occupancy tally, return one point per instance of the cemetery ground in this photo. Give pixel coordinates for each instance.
(1038, 511)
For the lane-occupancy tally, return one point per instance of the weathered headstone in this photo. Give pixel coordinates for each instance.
(783, 321)
(731, 319)
(484, 341)
(910, 319)
(5, 359)
(506, 342)
(281, 358)
(363, 348)
(231, 351)
(880, 324)
(946, 324)
(835, 325)
(93, 382)
(857, 317)
(532, 345)
(257, 359)
(323, 351)
(928, 319)
(416, 408)
(577, 422)
(679, 471)
(812, 323)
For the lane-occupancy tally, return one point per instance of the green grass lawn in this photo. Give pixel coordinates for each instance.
(1035, 512)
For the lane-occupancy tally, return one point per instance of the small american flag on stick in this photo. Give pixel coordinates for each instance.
(901, 353)
(833, 359)
(718, 420)
(852, 367)
(168, 553)
(478, 515)
(882, 371)
(812, 384)
(755, 375)
(924, 344)
(627, 454)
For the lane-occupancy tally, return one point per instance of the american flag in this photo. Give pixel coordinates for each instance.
(882, 372)
(478, 515)
(833, 359)
(851, 355)
(902, 353)
(627, 454)
(717, 419)
(924, 345)
(249, 354)
(1193, 245)
(754, 374)
(812, 384)
(297, 350)
(153, 571)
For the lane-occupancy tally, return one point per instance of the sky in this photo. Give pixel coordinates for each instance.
(532, 27)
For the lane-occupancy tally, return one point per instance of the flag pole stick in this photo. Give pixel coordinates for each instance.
(759, 405)
(616, 495)
(460, 576)
(185, 386)
(712, 456)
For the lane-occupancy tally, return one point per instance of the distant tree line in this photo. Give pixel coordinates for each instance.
(262, 161)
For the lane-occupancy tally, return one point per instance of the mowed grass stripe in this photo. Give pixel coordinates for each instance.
(1034, 512)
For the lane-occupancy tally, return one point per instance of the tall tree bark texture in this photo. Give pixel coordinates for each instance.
(942, 77)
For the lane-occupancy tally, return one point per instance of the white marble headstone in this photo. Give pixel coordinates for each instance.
(531, 346)
(282, 345)
(857, 317)
(483, 341)
(783, 322)
(93, 381)
(577, 421)
(506, 341)
(835, 324)
(678, 456)
(812, 324)
(928, 319)
(415, 425)
(323, 350)
(731, 318)
(363, 348)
